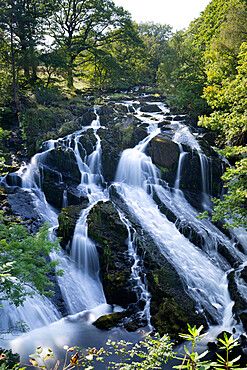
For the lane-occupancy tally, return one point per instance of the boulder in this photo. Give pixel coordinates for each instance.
(239, 308)
(67, 221)
(150, 108)
(165, 153)
(88, 141)
(63, 161)
(87, 118)
(109, 321)
(110, 234)
(114, 140)
(171, 307)
(20, 203)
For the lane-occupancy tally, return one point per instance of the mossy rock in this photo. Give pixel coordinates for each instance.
(116, 139)
(36, 122)
(88, 141)
(107, 230)
(165, 155)
(150, 108)
(109, 321)
(171, 308)
(87, 118)
(68, 127)
(63, 161)
(67, 219)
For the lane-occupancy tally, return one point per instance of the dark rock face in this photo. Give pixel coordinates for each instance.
(151, 108)
(87, 118)
(114, 140)
(171, 308)
(239, 308)
(88, 141)
(165, 154)
(110, 234)
(20, 203)
(67, 219)
(63, 161)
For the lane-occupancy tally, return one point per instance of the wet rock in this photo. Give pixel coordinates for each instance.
(110, 234)
(66, 128)
(239, 307)
(178, 118)
(21, 205)
(165, 153)
(171, 307)
(244, 274)
(168, 117)
(106, 110)
(88, 142)
(114, 140)
(107, 322)
(63, 161)
(87, 118)
(164, 123)
(227, 255)
(67, 221)
(150, 108)
(12, 179)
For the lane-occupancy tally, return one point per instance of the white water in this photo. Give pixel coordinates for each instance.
(202, 271)
(204, 274)
(80, 285)
(140, 286)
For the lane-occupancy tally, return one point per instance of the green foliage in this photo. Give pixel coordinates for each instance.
(227, 344)
(155, 37)
(40, 357)
(192, 360)
(151, 353)
(25, 266)
(182, 74)
(8, 359)
(234, 205)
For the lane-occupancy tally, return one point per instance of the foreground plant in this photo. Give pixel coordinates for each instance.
(25, 267)
(193, 360)
(227, 344)
(150, 353)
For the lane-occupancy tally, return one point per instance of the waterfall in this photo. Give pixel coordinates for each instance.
(206, 282)
(80, 285)
(180, 166)
(140, 187)
(140, 286)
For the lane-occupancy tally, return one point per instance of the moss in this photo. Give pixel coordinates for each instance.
(36, 122)
(67, 220)
(107, 322)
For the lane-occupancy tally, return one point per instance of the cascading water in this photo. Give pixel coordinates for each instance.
(206, 281)
(138, 182)
(81, 288)
(140, 286)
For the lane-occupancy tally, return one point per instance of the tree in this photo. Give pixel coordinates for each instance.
(25, 265)
(182, 74)
(83, 26)
(229, 118)
(155, 37)
(23, 23)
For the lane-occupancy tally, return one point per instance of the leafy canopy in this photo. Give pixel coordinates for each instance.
(25, 266)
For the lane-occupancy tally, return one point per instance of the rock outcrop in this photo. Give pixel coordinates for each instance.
(171, 308)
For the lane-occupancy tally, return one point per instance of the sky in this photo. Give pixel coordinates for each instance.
(176, 13)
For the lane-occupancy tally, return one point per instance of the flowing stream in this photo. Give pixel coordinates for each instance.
(203, 270)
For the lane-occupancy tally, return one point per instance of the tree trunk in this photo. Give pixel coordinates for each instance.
(13, 64)
(70, 80)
